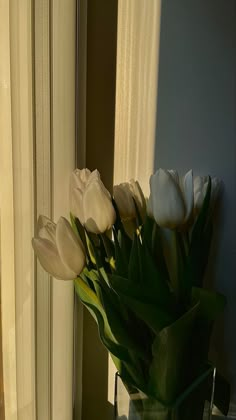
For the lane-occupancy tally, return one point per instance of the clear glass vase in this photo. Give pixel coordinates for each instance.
(137, 406)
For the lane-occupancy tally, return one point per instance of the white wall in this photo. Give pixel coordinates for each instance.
(196, 125)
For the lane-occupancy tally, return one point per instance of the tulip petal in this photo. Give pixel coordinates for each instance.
(79, 178)
(174, 175)
(50, 260)
(42, 221)
(167, 202)
(70, 247)
(76, 204)
(138, 196)
(48, 231)
(188, 193)
(93, 176)
(200, 187)
(124, 200)
(84, 175)
(98, 209)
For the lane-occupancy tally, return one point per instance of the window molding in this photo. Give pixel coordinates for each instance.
(63, 141)
(43, 194)
(7, 221)
(37, 155)
(55, 40)
(17, 265)
(23, 196)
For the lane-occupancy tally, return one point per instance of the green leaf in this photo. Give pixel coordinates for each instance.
(73, 224)
(125, 244)
(211, 303)
(158, 252)
(78, 228)
(147, 232)
(152, 237)
(180, 280)
(121, 259)
(135, 272)
(153, 279)
(139, 220)
(143, 273)
(108, 245)
(91, 249)
(155, 316)
(91, 301)
(198, 256)
(80, 231)
(118, 223)
(116, 316)
(170, 349)
(140, 292)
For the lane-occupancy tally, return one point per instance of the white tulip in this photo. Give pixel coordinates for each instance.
(60, 252)
(79, 178)
(124, 200)
(125, 194)
(138, 196)
(90, 201)
(171, 199)
(200, 188)
(99, 213)
(78, 181)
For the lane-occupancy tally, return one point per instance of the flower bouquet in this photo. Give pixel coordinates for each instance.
(138, 267)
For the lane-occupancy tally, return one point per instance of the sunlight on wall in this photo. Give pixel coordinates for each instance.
(136, 98)
(136, 91)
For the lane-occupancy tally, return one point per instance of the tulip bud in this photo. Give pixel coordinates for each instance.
(200, 188)
(125, 194)
(171, 200)
(124, 200)
(76, 204)
(91, 202)
(79, 178)
(59, 250)
(99, 212)
(138, 196)
(78, 181)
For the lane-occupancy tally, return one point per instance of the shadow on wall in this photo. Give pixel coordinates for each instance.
(196, 128)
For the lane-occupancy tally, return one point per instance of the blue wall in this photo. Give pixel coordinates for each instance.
(196, 128)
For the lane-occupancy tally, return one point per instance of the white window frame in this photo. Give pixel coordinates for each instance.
(16, 203)
(55, 43)
(37, 155)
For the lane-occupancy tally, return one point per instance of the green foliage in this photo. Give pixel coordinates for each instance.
(170, 350)
(153, 316)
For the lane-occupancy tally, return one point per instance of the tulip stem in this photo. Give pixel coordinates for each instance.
(186, 242)
(108, 245)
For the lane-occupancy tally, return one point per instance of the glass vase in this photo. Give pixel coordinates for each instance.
(138, 406)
